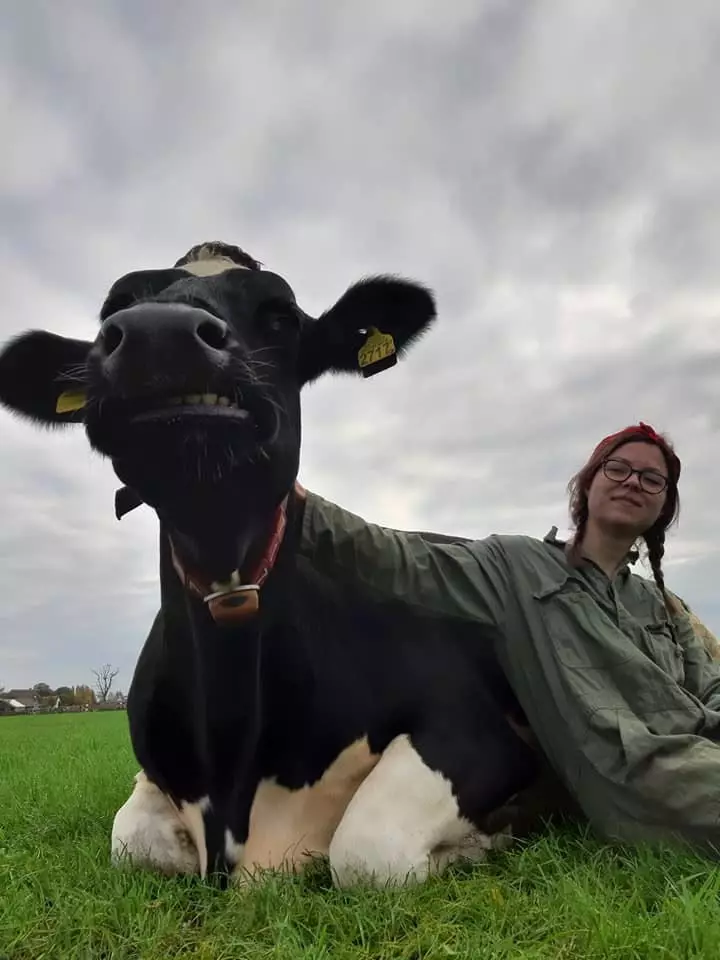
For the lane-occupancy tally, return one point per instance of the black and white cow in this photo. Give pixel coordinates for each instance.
(301, 719)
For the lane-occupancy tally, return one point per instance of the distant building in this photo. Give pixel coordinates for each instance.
(20, 700)
(10, 706)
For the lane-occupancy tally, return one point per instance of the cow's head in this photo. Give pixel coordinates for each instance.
(192, 385)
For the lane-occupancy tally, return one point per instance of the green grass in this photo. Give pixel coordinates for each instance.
(565, 896)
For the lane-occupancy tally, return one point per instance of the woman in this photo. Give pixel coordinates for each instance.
(621, 695)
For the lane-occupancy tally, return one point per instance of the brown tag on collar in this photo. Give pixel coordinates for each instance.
(234, 606)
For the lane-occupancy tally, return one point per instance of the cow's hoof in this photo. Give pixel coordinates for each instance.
(148, 833)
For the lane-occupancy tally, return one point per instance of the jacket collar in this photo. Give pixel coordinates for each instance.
(632, 557)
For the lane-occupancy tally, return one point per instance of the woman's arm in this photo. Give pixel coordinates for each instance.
(459, 580)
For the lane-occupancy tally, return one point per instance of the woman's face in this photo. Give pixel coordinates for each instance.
(628, 505)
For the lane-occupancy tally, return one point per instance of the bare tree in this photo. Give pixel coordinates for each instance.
(103, 681)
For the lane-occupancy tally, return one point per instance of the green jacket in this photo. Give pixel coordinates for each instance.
(621, 696)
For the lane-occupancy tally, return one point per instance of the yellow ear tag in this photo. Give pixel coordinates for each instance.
(377, 353)
(70, 400)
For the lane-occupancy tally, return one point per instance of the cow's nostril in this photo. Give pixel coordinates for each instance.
(213, 333)
(112, 338)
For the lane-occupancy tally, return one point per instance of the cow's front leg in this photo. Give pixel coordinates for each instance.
(402, 825)
(150, 831)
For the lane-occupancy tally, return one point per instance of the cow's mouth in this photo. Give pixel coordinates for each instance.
(193, 406)
(239, 418)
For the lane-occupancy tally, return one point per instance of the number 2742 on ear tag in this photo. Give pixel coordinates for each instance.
(377, 353)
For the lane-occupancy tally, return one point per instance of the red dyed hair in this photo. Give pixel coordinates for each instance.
(639, 432)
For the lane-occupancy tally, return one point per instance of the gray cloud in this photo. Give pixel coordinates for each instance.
(550, 170)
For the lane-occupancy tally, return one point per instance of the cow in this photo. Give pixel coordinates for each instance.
(276, 715)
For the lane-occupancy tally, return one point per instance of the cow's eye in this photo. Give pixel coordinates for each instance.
(280, 319)
(278, 323)
(119, 301)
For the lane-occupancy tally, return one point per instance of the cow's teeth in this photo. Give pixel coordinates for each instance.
(203, 399)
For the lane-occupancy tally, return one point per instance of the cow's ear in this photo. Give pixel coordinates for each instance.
(42, 377)
(372, 324)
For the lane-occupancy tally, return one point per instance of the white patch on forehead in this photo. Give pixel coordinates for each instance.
(211, 267)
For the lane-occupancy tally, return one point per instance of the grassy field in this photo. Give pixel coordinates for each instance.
(63, 777)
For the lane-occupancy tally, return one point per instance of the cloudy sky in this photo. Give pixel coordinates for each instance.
(549, 169)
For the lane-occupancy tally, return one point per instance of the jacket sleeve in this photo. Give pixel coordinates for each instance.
(467, 581)
(702, 673)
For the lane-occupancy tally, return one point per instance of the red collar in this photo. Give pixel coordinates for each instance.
(234, 602)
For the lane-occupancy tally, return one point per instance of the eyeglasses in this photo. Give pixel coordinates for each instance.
(620, 470)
